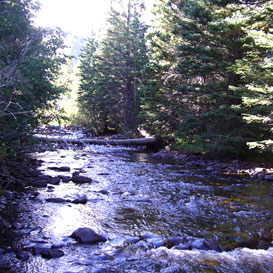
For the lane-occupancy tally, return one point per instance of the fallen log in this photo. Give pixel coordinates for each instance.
(131, 141)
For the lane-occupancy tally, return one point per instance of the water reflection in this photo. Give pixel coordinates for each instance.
(65, 220)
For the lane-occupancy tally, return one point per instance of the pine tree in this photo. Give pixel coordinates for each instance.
(212, 118)
(88, 98)
(206, 73)
(160, 103)
(224, 49)
(119, 60)
(255, 70)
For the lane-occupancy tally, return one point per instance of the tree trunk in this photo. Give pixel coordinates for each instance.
(133, 141)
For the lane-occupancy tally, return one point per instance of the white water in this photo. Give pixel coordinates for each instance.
(139, 204)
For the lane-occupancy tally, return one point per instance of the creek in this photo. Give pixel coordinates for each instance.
(157, 216)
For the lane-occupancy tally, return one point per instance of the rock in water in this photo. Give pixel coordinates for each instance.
(60, 169)
(56, 200)
(87, 236)
(47, 253)
(52, 253)
(39, 183)
(80, 200)
(65, 178)
(80, 179)
(23, 255)
(55, 181)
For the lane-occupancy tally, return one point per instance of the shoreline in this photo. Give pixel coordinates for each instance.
(259, 171)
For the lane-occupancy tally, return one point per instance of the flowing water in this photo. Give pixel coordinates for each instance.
(157, 216)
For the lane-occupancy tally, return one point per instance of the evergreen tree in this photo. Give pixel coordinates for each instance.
(29, 65)
(255, 70)
(160, 104)
(87, 94)
(109, 90)
(211, 120)
(220, 54)
(221, 49)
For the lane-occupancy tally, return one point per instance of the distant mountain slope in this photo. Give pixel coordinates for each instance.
(75, 45)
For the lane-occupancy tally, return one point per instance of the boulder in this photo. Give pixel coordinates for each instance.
(80, 179)
(87, 236)
(173, 241)
(260, 175)
(35, 173)
(37, 250)
(51, 253)
(23, 255)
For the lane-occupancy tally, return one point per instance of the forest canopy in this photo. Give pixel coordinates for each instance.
(201, 74)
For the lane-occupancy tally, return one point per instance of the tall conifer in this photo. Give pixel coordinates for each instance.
(121, 56)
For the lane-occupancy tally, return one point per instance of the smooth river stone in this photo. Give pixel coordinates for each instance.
(87, 236)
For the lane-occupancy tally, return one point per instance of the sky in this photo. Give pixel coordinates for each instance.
(75, 16)
(78, 17)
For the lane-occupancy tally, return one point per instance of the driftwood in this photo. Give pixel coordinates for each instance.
(133, 141)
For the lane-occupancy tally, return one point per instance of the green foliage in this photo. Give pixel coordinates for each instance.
(160, 105)
(209, 80)
(110, 72)
(29, 65)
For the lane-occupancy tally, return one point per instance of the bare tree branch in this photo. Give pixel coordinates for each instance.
(7, 77)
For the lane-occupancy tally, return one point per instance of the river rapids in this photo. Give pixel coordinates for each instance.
(156, 216)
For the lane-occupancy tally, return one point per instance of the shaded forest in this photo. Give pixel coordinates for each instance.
(201, 75)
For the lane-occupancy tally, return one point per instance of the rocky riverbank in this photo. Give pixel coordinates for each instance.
(258, 171)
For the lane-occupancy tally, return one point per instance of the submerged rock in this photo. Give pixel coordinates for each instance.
(105, 192)
(58, 245)
(56, 200)
(104, 270)
(87, 236)
(80, 200)
(60, 169)
(47, 252)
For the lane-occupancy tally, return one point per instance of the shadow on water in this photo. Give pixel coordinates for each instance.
(157, 216)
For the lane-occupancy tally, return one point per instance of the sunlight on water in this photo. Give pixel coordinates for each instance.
(65, 220)
(158, 216)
